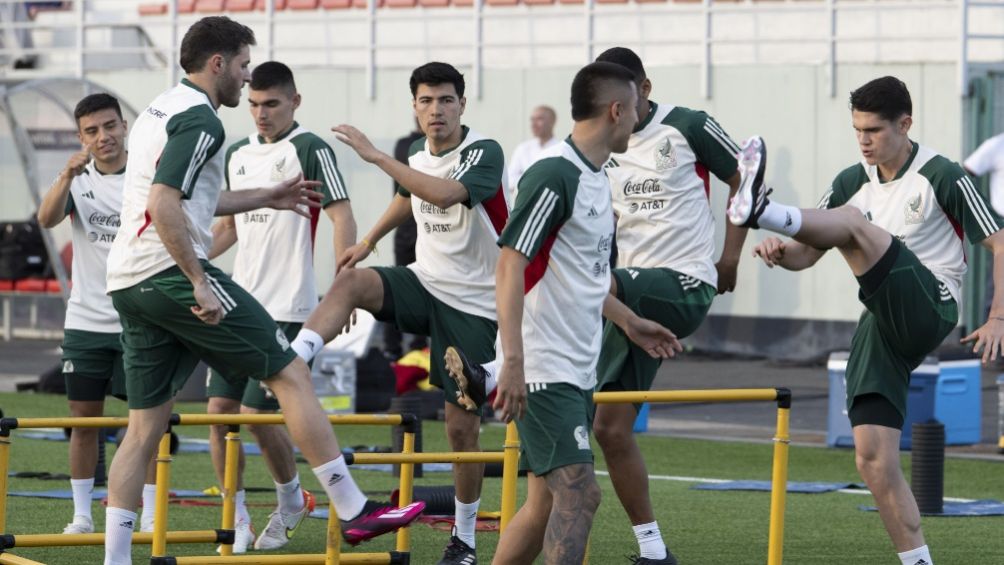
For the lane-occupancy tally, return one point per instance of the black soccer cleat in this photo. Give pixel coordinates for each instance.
(458, 553)
(750, 200)
(470, 378)
(668, 560)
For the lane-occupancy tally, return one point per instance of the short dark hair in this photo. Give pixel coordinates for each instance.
(212, 35)
(272, 74)
(96, 103)
(886, 96)
(589, 85)
(625, 58)
(434, 74)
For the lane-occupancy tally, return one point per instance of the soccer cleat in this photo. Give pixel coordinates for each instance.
(243, 538)
(80, 525)
(668, 560)
(378, 518)
(458, 553)
(281, 526)
(750, 200)
(470, 378)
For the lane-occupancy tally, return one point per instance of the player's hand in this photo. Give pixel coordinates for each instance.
(989, 337)
(352, 255)
(656, 340)
(771, 250)
(510, 396)
(728, 273)
(78, 161)
(295, 194)
(358, 141)
(208, 308)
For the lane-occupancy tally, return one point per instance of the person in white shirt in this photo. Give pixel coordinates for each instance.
(989, 159)
(542, 125)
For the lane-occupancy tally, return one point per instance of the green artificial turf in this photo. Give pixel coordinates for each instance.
(702, 527)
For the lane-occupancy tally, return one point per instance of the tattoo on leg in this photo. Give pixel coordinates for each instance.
(575, 499)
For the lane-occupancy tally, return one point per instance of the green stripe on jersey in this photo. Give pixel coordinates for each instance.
(193, 138)
(545, 200)
(712, 146)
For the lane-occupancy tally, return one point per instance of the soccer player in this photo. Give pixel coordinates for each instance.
(897, 218)
(176, 308)
(556, 252)
(454, 187)
(274, 263)
(89, 190)
(666, 269)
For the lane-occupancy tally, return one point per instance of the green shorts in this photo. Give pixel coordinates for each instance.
(92, 365)
(909, 313)
(164, 341)
(677, 301)
(554, 431)
(250, 393)
(414, 310)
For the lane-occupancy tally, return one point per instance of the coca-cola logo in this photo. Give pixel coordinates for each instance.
(99, 219)
(429, 208)
(647, 186)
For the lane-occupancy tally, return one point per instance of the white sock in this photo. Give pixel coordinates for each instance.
(290, 495)
(149, 505)
(919, 556)
(491, 381)
(781, 218)
(307, 344)
(466, 520)
(340, 488)
(119, 525)
(240, 507)
(650, 544)
(82, 489)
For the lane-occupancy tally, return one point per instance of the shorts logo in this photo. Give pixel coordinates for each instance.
(280, 338)
(67, 366)
(634, 274)
(581, 438)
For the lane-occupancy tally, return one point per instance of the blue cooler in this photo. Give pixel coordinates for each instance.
(957, 402)
(920, 400)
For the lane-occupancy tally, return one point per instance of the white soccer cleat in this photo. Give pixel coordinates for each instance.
(282, 526)
(243, 538)
(750, 200)
(80, 525)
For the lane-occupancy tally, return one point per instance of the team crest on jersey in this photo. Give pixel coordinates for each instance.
(280, 338)
(665, 155)
(581, 437)
(914, 211)
(278, 170)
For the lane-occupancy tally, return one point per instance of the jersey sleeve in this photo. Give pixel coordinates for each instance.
(319, 164)
(416, 146)
(987, 157)
(843, 187)
(712, 146)
(480, 171)
(68, 209)
(193, 138)
(226, 162)
(544, 202)
(959, 198)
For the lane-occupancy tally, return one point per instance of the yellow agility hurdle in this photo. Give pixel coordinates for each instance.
(779, 478)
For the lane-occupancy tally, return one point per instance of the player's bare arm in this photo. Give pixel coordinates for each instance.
(787, 254)
(344, 226)
(295, 194)
(52, 209)
(510, 400)
(439, 191)
(990, 336)
(735, 237)
(224, 236)
(656, 340)
(395, 215)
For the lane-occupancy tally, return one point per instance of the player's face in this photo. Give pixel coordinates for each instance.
(234, 74)
(104, 131)
(541, 123)
(879, 139)
(272, 110)
(625, 113)
(438, 109)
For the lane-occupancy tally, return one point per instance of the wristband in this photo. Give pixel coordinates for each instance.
(372, 247)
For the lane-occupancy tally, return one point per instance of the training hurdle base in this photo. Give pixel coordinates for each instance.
(782, 439)
(225, 536)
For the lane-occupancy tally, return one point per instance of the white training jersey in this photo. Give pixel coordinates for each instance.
(989, 158)
(563, 222)
(175, 141)
(526, 154)
(94, 204)
(275, 248)
(928, 206)
(660, 191)
(455, 252)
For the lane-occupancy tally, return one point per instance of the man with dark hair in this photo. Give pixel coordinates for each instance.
(455, 189)
(274, 263)
(176, 308)
(553, 284)
(89, 190)
(666, 268)
(897, 219)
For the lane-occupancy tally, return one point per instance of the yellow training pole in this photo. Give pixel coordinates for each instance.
(8, 559)
(510, 473)
(230, 469)
(159, 548)
(138, 538)
(4, 468)
(333, 545)
(723, 395)
(291, 559)
(427, 457)
(779, 485)
(406, 489)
